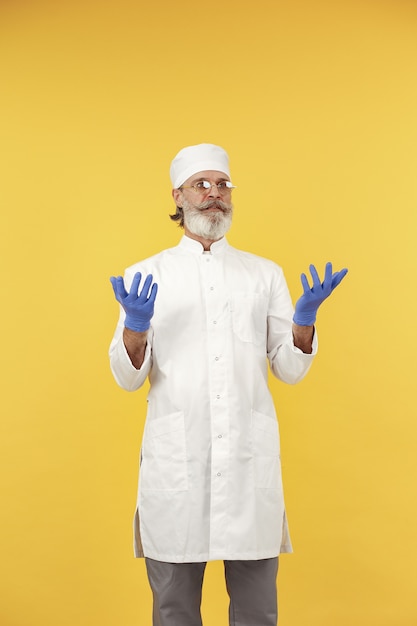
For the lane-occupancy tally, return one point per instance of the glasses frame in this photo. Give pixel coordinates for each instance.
(202, 190)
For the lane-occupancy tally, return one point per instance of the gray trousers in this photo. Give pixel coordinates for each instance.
(177, 589)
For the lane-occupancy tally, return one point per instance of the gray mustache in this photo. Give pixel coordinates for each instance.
(214, 204)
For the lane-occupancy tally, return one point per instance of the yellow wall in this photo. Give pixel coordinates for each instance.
(316, 103)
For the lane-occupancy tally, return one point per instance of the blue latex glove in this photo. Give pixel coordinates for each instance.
(307, 305)
(139, 307)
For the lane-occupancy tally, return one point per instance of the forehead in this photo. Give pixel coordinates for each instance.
(210, 175)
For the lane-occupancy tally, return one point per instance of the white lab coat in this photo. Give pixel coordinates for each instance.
(210, 478)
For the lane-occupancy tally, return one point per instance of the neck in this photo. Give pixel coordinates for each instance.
(206, 243)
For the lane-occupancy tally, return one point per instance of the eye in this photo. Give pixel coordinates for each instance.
(225, 185)
(202, 184)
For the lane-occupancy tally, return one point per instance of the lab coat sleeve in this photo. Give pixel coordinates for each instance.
(288, 363)
(125, 374)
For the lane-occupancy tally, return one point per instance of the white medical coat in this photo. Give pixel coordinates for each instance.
(210, 477)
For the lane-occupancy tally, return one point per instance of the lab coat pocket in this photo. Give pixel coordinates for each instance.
(164, 461)
(265, 448)
(249, 316)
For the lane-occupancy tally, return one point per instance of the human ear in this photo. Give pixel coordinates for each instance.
(177, 195)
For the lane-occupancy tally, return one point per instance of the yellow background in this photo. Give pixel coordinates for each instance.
(316, 103)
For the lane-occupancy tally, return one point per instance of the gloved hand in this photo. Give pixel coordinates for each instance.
(139, 307)
(307, 305)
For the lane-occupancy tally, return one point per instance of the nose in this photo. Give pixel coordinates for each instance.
(214, 191)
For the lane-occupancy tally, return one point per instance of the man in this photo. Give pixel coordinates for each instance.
(202, 325)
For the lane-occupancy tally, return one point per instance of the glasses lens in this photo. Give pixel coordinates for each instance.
(202, 186)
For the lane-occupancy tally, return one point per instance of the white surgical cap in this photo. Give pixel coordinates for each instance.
(194, 159)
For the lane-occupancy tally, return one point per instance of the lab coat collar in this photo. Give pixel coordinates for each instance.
(191, 245)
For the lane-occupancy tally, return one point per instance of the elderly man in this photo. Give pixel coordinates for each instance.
(202, 320)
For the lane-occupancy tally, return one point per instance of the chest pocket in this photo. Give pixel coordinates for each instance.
(249, 316)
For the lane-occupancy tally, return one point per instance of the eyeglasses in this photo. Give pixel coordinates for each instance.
(202, 186)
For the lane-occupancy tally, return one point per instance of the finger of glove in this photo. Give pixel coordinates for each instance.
(328, 273)
(144, 292)
(338, 277)
(327, 282)
(315, 276)
(153, 293)
(134, 287)
(305, 283)
(147, 306)
(118, 287)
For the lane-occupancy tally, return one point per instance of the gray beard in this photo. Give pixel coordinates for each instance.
(211, 226)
